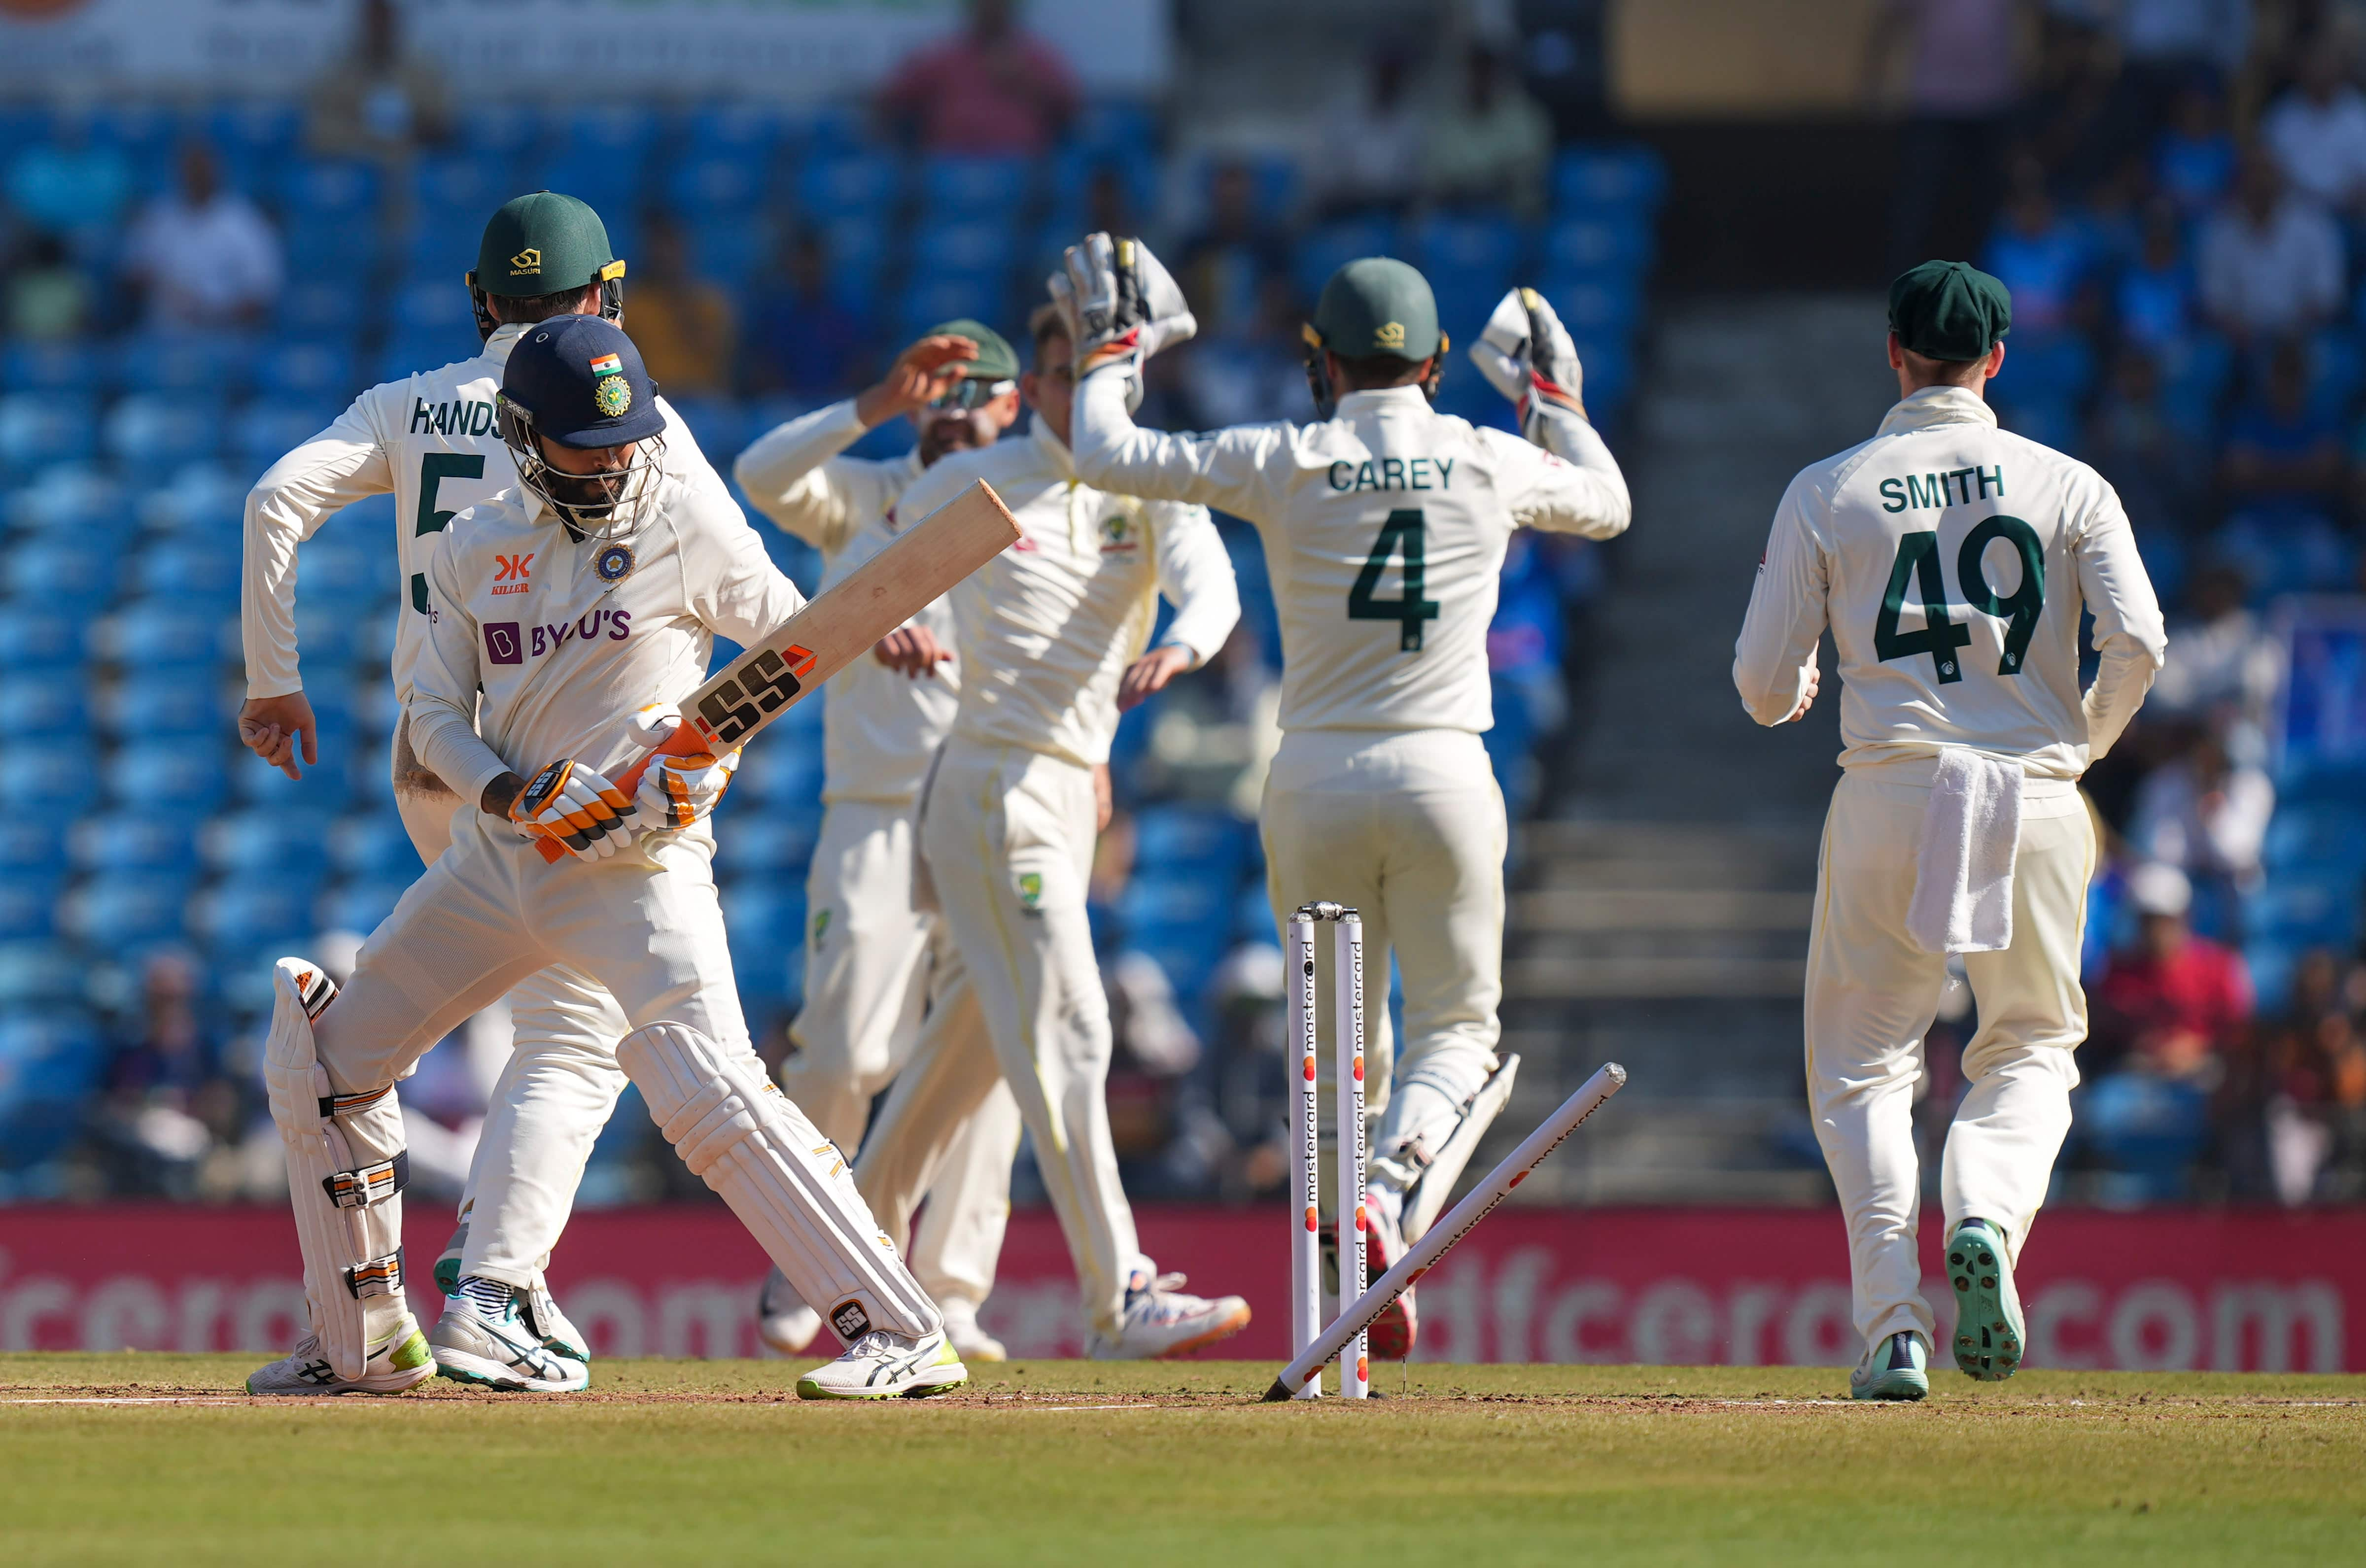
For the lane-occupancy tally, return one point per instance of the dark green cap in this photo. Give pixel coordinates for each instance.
(994, 360)
(544, 243)
(1949, 310)
(1377, 304)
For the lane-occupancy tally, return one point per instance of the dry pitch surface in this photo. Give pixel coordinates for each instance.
(158, 1458)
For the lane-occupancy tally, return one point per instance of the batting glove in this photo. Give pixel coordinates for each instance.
(1526, 354)
(575, 808)
(1121, 306)
(676, 789)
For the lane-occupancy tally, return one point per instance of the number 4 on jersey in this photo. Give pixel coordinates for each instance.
(1918, 562)
(1401, 533)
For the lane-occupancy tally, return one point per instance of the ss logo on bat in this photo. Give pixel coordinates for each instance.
(730, 712)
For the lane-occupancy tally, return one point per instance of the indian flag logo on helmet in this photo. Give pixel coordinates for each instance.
(608, 365)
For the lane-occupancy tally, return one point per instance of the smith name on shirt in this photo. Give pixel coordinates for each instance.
(1953, 488)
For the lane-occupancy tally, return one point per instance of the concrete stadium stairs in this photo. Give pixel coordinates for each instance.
(1660, 913)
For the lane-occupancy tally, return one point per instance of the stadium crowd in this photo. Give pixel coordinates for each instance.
(192, 288)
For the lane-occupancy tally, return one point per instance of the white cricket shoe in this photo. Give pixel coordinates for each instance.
(484, 1338)
(1161, 1320)
(402, 1363)
(538, 1306)
(974, 1343)
(784, 1321)
(885, 1365)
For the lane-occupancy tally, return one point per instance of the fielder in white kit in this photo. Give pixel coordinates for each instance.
(1380, 797)
(1951, 561)
(430, 439)
(1050, 639)
(879, 969)
(525, 707)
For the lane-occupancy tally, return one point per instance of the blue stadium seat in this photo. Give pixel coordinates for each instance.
(318, 368)
(38, 704)
(71, 570)
(202, 500)
(2148, 1131)
(161, 634)
(2281, 556)
(324, 790)
(730, 249)
(32, 851)
(360, 906)
(1154, 901)
(29, 911)
(1115, 125)
(2314, 783)
(465, 185)
(2327, 832)
(1620, 245)
(1470, 251)
(408, 354)
(1596, 306)
(435, 305)
(717, 183)
(73, 498)
(1199, 840)
(41, 428)
(2047, 418)
(374, 847)
(187, 775)
(771, 846)
(857, 248)
(613, 182)
(719, 424)
(158, 844)
(257, 843)
(249, 912)
(69, 364)
(254, 126)
(505, 128)
(737, 128)
(269, 428)
(330, 187)
(955, 187)
(622, 130)
(946, 296)
(441, 247)
(1609, 372)
(35, 634)
(321, 245)
(1597, 178)
(848, 184)
(1330, 247)
(2318, 908)
(51, 1060)
(982, 247)
(766, 921)
(347, 568)
(325, 631)
(827, 127)
(161, 428)
(120, 913)
(165, 704)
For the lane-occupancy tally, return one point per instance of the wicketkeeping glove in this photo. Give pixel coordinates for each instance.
(1121, 306)
(1526, 354)
(575, 808)
(676, 790)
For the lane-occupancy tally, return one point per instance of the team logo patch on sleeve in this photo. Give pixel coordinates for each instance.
(613, 564)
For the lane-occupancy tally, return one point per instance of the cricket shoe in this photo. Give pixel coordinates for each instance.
(1989, 1333)
(972, 1343)
(401, 1363)
(1894, 1368)
(784, 1321)
(1161, 1320)
(485, 1338)
(885, 1365)
(539, 1309)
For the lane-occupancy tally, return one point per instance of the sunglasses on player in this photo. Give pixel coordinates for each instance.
(970, 392)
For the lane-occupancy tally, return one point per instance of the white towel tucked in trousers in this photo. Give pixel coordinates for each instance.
(1963, 868)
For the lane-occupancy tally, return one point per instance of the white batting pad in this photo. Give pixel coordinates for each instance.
(788, 1184)
(345, 1172)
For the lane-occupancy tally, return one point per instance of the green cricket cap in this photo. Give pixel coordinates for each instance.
(544, 243)
(1949, 310)
(1377, 304)
(996, 360)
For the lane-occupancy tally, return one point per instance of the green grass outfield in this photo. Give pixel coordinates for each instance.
(1068, 1461)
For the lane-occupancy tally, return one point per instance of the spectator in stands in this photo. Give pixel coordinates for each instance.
(1256, 372)
(70, 184)
(2206, 814)
(160, 1084)
(1368, 146)
(1961, 86)
(382, 99)
(1225, 267)
(805, 339)
(2073, 117)
(1489, 142)
(2155, 466)
(992, 90)
(2194, 158)
(2040, 256)
(2155, 295)
(2172, 1002)
(684, 325)
(2294, 1107)
(2318, 130)
(2284, 463)
(49, 298)
(2271, 261)
(2167, 44)
(204, 257)
(2223, 666)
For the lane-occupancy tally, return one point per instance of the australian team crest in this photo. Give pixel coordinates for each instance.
(613, 563)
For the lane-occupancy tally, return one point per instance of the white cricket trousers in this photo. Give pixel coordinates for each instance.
(554, 1095)
(1409, 829)
(879, 971)
(1872, 994)
(1008, 836)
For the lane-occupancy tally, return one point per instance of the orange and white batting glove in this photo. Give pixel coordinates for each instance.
(676, 790)
(1527, 355)
(575, 808)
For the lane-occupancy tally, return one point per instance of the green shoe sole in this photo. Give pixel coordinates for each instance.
(809, 1389)
(1988, 1329)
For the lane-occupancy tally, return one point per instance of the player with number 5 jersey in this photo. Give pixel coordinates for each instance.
(1951, 561)
(1385, 525)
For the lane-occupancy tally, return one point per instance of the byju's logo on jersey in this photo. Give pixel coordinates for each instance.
(511, 573)
(503, 644)
(512, 643)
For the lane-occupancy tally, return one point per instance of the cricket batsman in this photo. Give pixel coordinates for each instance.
(1951, 562)
(525, 709)
(1385, 525)
(431, 441)
(1051, 638)
(879, 969)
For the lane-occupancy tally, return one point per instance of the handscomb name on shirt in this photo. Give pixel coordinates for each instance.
(1949, 487)
(458, 416)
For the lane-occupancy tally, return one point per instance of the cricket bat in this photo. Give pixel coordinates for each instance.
(835, 628)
